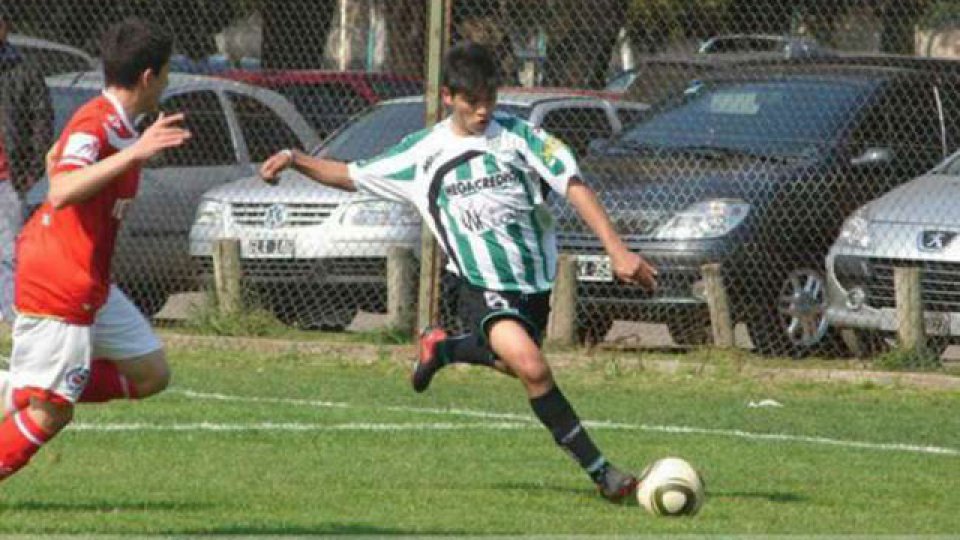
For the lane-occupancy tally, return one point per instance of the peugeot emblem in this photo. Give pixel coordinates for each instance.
(275, 216)
(935, 240)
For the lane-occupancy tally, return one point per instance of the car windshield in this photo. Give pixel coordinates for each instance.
(783, 117)
(382, 127)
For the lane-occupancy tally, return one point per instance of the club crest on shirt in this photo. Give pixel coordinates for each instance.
(76, 378)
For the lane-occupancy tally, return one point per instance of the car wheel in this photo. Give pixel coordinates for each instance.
(592, 328)
(794, 323)
(148, 299)
(864, 343)
(309, 319)
(690, 329)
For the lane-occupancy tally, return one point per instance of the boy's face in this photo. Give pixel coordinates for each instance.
(471, 113)
(153, 85)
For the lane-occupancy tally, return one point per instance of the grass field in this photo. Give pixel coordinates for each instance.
(295, 444)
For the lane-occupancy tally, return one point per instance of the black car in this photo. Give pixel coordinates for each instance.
(757, 169)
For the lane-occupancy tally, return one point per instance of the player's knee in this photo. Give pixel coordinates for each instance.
(533, 370)
(51, 415)
(154, 375)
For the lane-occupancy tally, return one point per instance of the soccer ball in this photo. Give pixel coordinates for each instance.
(671, 487)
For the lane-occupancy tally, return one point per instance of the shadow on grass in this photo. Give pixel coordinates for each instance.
(101, 506)
(582, 492)
(771, 496)
(322, 528)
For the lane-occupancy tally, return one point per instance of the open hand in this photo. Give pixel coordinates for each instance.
(632, 268)
(162, 134)
(274, 165)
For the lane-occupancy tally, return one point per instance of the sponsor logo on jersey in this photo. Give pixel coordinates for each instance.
(476, 185)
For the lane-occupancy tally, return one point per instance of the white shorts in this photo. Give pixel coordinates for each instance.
(10, 221)
(54, 355)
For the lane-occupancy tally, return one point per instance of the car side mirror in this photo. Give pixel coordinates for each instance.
(873, 156)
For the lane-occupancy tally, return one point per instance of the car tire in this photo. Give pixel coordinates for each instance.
(592, 328)
(793, 322)
(148, 299)
(690, 329)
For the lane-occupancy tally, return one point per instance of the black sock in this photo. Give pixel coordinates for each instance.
(555, 412)
(465, 349)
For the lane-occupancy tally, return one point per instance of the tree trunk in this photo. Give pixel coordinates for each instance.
(406, 24)
(578, 50)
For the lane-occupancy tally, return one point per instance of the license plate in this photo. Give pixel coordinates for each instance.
(937, 324)
(270, 247)
(594, 268)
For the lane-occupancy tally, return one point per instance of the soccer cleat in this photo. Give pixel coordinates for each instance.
(427, 363)
(616, 485)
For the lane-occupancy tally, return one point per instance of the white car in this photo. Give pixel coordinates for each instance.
(915, 225)
(316, 255)
(234, 125)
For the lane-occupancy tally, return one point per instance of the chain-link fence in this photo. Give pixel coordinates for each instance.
(801, 146)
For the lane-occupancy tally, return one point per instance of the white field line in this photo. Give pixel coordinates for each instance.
(504, 421)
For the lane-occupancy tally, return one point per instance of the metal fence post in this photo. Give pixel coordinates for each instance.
(429, 293)
(227, 275)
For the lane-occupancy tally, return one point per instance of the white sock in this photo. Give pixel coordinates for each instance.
(6, 403)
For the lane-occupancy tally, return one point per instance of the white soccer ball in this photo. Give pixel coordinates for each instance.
(671, 487)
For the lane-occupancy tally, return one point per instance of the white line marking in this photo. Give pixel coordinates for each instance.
(516, 421)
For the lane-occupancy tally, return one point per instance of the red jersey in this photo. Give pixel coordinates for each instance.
(63, 256)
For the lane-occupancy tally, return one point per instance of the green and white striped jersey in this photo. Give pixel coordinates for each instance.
(481, 197)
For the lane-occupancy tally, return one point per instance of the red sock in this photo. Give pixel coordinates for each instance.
(20, 438)
(106, 383)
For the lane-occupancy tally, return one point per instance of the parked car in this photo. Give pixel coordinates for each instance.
(51, 57)
(327, 99)
(234, 126)
(316, 255)
(915, 225)
(782, 46)
(756, 169)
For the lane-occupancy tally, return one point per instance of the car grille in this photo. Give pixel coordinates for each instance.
(295, 215)
(939, 281)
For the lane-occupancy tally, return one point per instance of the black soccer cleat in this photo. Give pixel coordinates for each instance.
(616, 485)
(427, 363)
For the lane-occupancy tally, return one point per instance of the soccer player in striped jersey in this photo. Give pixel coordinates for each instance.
(478, 179)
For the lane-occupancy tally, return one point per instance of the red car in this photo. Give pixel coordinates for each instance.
(327, 99)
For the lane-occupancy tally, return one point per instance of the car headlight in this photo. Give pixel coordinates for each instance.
(209, 213)
(379, 214)
(706, 219)
(856, 230)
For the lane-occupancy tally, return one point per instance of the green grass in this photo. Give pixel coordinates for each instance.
(472, 478)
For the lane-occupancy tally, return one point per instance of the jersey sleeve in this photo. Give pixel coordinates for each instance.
(391, 174)
(80, 145)
(548, 155)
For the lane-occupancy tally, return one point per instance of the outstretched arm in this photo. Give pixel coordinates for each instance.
(78, 185)
(627, 265)
(325, 171)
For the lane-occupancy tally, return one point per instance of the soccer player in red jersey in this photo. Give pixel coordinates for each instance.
(67, 310)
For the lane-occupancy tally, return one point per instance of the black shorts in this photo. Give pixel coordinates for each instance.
(478, 308)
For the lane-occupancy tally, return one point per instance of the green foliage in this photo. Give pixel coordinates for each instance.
(900, 359)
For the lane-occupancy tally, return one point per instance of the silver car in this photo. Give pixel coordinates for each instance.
(315, 255)
(235, 126)
(917, 225)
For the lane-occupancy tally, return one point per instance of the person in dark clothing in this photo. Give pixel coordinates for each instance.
(26, 130)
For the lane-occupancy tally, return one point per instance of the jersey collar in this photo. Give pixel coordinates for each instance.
(122, 113)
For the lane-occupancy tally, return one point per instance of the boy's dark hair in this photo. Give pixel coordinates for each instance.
(470, 69)
(131, 47)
